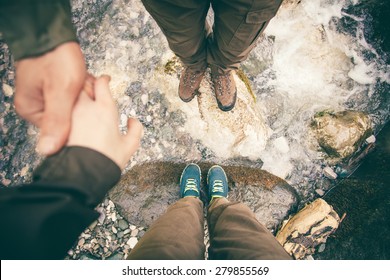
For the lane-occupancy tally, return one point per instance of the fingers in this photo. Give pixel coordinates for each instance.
(89, 86)
(102, 90)
(134, 134)
(56, 120)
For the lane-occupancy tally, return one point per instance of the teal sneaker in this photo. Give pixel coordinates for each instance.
(217, 183)
(190, 181)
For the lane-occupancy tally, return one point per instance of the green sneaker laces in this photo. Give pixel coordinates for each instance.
(217, 186)
(191, 186)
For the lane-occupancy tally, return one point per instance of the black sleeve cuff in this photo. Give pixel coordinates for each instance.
(32, 28)
(89, 171)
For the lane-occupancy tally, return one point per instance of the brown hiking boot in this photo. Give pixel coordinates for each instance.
(225, 89)
(190, 83)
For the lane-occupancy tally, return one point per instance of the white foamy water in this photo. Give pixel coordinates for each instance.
(301, 66)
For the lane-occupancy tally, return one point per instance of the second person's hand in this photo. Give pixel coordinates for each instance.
(95, 124)
(47, 87)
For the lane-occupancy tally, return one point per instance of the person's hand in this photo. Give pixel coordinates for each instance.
(46, 90)
(95, 124)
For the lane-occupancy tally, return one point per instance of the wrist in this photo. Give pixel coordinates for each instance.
(88, 170)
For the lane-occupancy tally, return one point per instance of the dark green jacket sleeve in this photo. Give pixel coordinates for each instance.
(34, 27)
(42, 220)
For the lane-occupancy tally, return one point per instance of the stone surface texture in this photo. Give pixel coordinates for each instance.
(309, 228)
(146, 191)
(340, 134)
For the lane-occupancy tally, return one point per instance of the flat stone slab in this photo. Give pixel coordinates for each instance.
(145, 192)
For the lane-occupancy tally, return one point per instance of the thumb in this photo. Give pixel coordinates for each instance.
(134, 134)
(55, 124)
(54, 132)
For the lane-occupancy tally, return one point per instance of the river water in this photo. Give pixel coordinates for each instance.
(315, 55)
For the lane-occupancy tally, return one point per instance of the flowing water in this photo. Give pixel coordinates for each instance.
(315, 55)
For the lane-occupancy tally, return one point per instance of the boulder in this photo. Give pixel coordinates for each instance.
(145, 192)
(239, 132)
(308, 229)
(340, 134)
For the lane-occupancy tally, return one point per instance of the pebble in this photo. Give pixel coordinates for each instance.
(329, 173)
(113, 217)
(114, 230)
(320, 192)
(31, 130)
(102, 217)
(321, 248)
(81, 242)
(7, 90)
(6, 182)
(148, 118)
(132, 242)
(93, 225)
(134, 233)
(126, 231)
(144, 99)
(371, 139)
(123, 120)
(123, 224)
(133, 227)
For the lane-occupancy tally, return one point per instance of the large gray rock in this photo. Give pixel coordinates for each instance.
(146, 191)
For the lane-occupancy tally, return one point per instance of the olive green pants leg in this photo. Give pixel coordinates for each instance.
(236, 234)
(237, 25)
(178, 234)
(183, 22)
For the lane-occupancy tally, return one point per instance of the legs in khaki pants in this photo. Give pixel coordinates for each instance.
(237, 25)
(178, 234)
(234, 234)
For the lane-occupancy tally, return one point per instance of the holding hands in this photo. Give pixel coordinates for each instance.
(95, 124)
(70, 107)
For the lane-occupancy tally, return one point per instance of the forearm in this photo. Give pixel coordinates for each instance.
(32, 28)
(42, 220)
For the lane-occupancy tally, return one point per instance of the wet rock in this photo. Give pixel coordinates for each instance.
(340, 134)
(146, 191)
(363, 199)
(328, 172)
(309, 228)
(240, 132)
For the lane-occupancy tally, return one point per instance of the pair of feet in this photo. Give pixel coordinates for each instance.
(223, 81)
(216, 181)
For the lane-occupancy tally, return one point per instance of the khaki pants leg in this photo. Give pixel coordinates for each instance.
(237, 25)
(178, 234)
(236, 234)
(184, 24)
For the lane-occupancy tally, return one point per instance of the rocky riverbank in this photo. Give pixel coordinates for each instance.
(315, 96)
